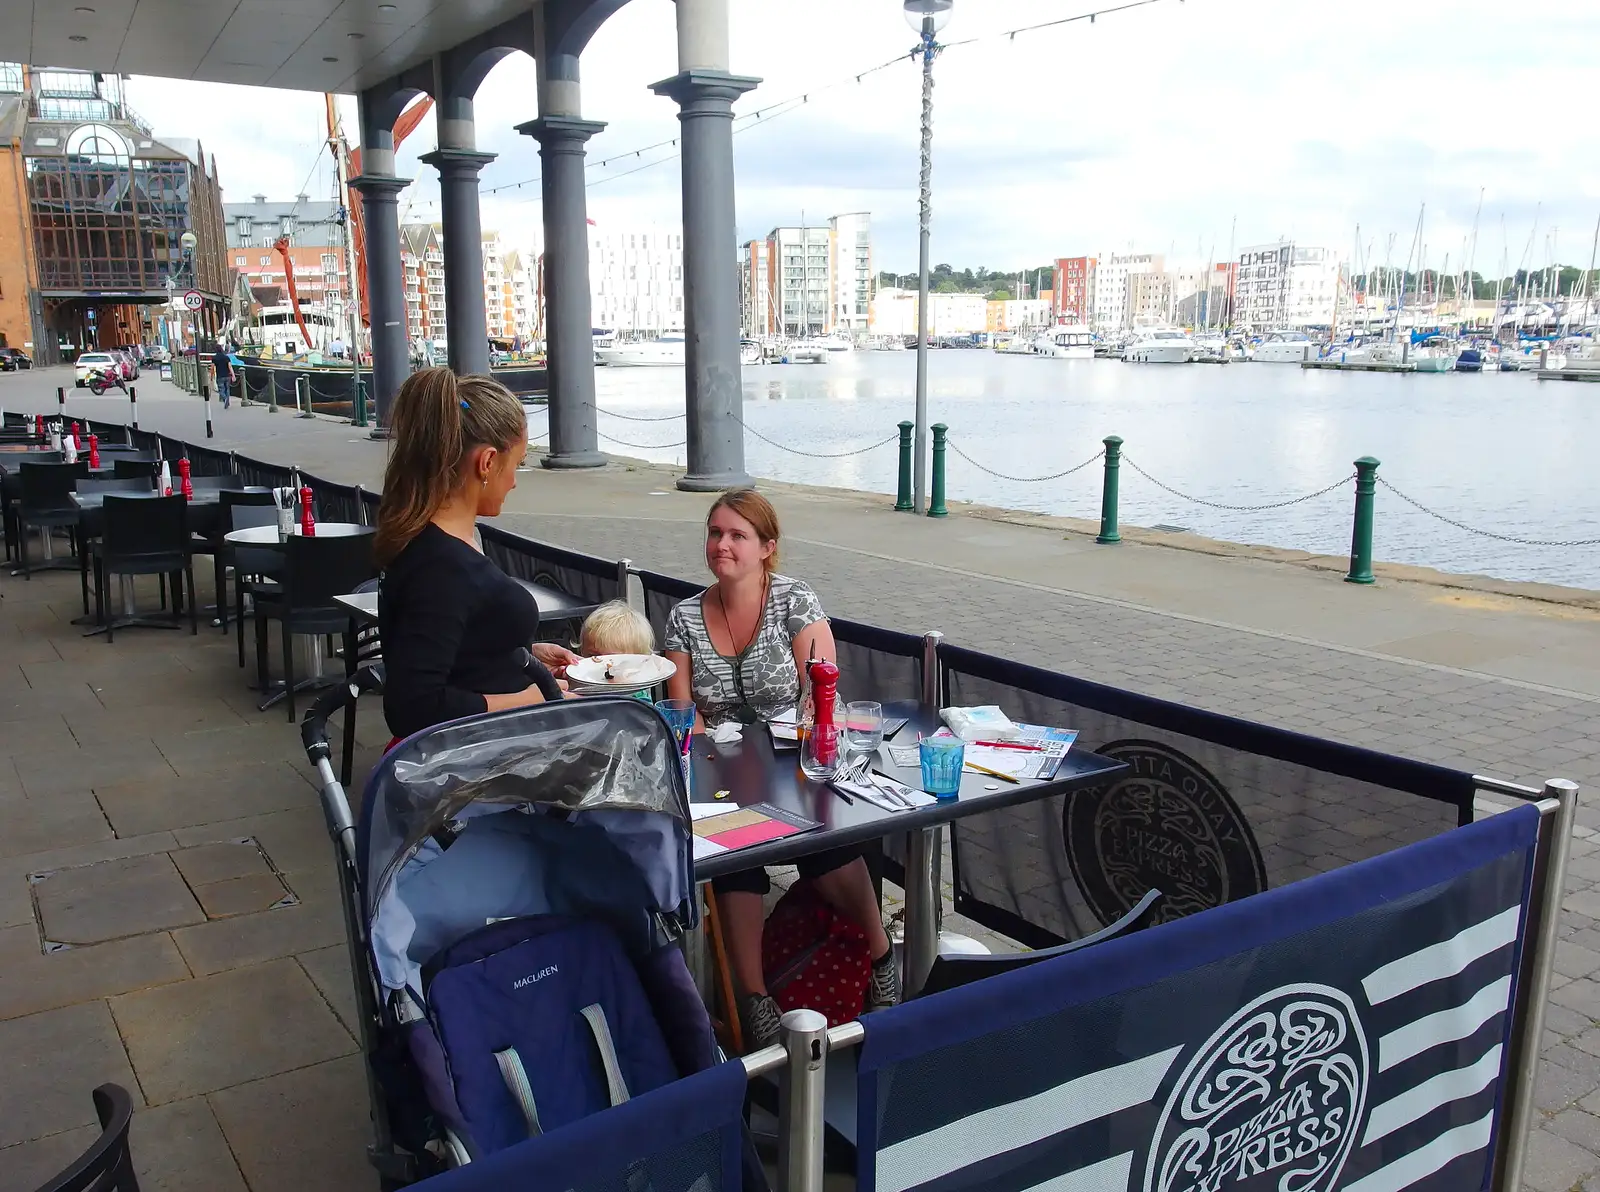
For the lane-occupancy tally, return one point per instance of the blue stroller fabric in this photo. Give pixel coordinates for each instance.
(543, 1021)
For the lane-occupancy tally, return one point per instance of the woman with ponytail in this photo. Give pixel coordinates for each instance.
(454, 625)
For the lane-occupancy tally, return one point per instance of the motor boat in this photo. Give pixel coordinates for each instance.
(1070, 341)
(1285, 347)
(1470, 361)
(667, 352)
(1160, 345)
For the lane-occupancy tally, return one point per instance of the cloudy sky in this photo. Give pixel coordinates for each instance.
(1172, 128)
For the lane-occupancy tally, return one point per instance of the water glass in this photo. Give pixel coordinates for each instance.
(863, 726)
(680, 715)
(941, 765)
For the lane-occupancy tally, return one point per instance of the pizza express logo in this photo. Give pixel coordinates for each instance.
(1271, 1101)
(1167, 825)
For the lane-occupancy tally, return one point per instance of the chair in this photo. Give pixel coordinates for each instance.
(144, 536)
(46, 502)
(363, 647)
(231, 480)
(124, 468)
(315, 571)
(950, 971)
(239, 511)
(107, 1166)
(90, 521)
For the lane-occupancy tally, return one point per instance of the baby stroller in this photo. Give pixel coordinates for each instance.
(514, 892)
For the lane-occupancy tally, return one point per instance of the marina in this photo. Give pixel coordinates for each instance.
(1246, 434)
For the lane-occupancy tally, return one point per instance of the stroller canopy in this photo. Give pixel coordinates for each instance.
(576, 807)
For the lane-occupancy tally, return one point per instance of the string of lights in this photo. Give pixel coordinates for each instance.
(782, 107)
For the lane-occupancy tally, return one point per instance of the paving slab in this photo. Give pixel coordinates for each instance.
(216, 1031)
(243, 896)
(52, 1062)
(329, 968)
(109, 900)
(249, 939)
(32, 980)
(52, 821)
(209, 798)
(295, 840)
(306, 1129)
(66, 771)
(220, 862)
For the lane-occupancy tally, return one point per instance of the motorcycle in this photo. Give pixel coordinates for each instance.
(100, 379)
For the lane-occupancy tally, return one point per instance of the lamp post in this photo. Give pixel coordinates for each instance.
(187, 242)
(927, 17)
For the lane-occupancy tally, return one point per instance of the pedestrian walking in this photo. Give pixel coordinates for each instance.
(222, 369)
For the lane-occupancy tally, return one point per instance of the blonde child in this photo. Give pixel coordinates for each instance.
(615, 628)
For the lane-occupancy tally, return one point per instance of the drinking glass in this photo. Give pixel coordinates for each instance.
(941, 765)
(680, 715)
(863, 726)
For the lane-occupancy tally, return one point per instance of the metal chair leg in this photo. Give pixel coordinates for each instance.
(288, 668)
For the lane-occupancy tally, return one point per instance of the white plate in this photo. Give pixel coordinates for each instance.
(634, 672)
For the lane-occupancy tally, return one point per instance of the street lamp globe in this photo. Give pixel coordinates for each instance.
(188, 240)
(919, 11)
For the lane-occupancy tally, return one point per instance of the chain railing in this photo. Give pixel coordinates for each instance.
(1498, 537)
(1167, 488)
(1065, 472)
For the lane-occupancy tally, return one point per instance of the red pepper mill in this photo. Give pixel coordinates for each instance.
(185, 485)
(824, 746)
(94, 451)
(77, 443)
(38, 425)
(308, 525)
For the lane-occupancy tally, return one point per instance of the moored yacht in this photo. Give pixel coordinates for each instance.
(1285, 347)
(665, 352)
(1070, 341)
(1160, 345)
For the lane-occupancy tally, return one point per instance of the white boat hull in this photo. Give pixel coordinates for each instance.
(1076, 352)
(1157, 354)
(645, 355)
(1287, 353)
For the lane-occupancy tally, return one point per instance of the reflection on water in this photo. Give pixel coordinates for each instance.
(1499, 451)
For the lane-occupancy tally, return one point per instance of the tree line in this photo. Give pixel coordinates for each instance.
(999, 286)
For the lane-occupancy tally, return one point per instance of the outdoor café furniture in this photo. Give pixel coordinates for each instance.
(46, 502)
(143, 534)
(107, 1166)
(124, 468)
(751, 770)
(222, 553)
(256, 569)
(90, 522)
(317, 569)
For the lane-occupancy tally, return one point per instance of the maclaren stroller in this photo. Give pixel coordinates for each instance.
(514, 892)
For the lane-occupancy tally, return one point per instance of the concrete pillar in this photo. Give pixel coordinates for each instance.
(458, 163)
(386, 299)
(562, 134)
(705, 93)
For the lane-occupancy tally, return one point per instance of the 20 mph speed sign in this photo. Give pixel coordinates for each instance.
(192, 300)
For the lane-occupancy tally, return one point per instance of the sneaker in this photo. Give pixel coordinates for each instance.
(761, 1019)
(884, 990)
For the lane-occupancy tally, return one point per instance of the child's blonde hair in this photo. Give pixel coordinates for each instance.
(616, 628)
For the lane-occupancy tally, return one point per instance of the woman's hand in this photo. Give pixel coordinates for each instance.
(557, 658)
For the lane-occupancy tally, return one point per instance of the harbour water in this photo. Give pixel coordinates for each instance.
(1500, 452)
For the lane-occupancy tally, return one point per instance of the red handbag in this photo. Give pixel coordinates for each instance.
(815, 958)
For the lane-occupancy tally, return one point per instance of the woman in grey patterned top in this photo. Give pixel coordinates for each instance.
(740, 649)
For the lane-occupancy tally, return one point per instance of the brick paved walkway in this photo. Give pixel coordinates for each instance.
(1322, 670)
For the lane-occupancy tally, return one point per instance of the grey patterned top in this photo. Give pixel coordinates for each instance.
(765, 671)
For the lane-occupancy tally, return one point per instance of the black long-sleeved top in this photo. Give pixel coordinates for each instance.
(454, 627)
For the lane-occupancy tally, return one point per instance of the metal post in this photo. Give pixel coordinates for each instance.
(1522, 1068)
(801, 1088)
(624, 588)
(932, 676)
(902, 501)
(1361, 535)
(930, 49)
(1108, 492)
(303, 404)
(244, 388)
(61, 402)
(360, 418)
(133, 408)
(936, 501)
(922, 903)
(205, 396)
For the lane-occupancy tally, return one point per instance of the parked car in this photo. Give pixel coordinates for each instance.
(92, 361)
(13, 359)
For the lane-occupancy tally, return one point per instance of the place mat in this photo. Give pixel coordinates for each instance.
(742, 827)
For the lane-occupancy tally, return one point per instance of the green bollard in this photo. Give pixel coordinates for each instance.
(936, 487)
(361, 404)
(1361, 535)
(272, 392)
(902, 501)
(1108, 492)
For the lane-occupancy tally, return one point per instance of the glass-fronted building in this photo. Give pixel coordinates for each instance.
(102, 206)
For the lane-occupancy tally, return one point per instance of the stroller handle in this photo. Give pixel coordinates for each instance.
(542, 677)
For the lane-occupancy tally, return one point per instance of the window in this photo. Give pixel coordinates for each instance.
(264, 261)
(286, 225)
(238, 262)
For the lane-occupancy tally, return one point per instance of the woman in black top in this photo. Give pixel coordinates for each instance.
(454, 626)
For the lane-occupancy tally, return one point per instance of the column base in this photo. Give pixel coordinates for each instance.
(719, 482)
(379, 433)
(574, 459)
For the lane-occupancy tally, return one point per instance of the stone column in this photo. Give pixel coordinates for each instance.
(458, 163)
(705, 93)
(386, 298)
(569, 333)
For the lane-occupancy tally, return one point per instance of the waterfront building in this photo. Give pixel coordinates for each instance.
(524, 301)
(850, 273)
(636, 279)
(496, 290)
(422, 259)
(803, 292)
(1285, 285)
(93, 206)
(1111, 308)
(894, 313)
(1075, 289)
(1025, 314)
(758, 287)
(316, 247)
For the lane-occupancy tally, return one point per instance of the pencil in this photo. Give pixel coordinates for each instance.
(992, 773)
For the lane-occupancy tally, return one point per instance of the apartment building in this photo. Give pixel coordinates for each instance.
(520, 269)
(636, 279)
(758, 288)
(850, 273)
(894, 313)
(1286, 285)
(422, 259)
(1112, 310)
(1075, 289)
